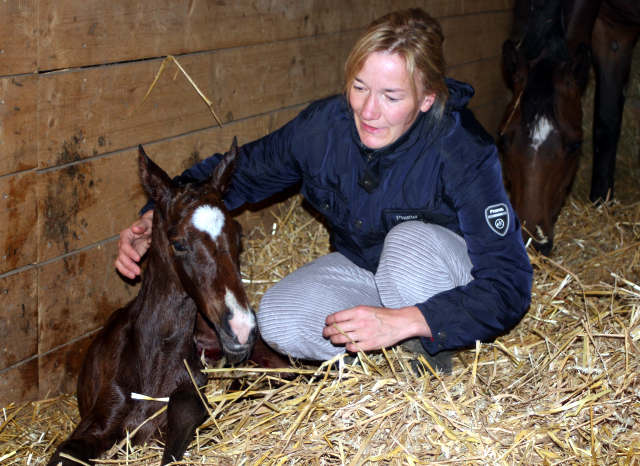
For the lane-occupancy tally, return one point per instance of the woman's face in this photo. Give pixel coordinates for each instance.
(383, 103)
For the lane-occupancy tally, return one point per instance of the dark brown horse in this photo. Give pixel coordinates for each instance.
(541, 133)
(191, 301)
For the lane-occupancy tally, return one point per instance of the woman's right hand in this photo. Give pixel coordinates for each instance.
(134, 242)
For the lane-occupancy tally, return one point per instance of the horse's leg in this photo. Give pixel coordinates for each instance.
(185, 413)
(612, 49)
(97, 431)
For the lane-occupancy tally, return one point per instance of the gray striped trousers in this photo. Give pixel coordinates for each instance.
(418, 261)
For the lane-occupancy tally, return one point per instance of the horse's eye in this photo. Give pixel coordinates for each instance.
(573, 147)
(179, 248)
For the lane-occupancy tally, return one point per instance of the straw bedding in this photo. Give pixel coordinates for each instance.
(562, 388)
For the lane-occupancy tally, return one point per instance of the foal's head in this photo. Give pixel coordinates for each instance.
(200, 241)
(541, 132)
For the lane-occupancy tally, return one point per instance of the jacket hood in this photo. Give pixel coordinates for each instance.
(459, 93)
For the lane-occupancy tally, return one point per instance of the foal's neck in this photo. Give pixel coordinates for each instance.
(161, 295)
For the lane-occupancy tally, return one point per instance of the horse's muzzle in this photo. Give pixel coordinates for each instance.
(234, 351)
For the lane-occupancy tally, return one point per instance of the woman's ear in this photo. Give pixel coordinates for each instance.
(427, 102)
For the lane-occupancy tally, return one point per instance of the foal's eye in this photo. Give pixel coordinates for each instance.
(179, 248)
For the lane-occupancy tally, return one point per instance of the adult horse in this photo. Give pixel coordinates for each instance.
(191, 286)
(541, 132)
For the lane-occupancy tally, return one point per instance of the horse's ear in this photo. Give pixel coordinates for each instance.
(221, 176)
(153, 178)
(579, 66)
(514, 62)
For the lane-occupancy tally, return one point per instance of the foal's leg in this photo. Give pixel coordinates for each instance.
(97, 431)
(184, 414)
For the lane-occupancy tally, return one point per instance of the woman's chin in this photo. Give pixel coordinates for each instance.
(373, 141)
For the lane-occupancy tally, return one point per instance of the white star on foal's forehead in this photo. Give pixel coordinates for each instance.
(541, 130)
(208, 219)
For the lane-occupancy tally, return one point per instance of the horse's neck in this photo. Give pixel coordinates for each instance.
(162, 300)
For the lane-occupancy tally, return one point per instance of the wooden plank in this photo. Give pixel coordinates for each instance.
(58, 370)
(475, 37)
(19, 384)
(95, 32)
(19, 44)
(18, 220)
(78, 293)
(18, 123)
(19, 323)
(87, 112)
(82, 204)
(486, 78)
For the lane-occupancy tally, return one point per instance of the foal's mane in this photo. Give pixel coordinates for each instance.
(544, 45)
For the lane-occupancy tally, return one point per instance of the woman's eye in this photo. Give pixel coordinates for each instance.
(392, 99)
(178, 247)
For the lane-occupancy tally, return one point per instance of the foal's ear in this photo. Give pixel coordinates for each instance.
(153, 178)
(221, 176)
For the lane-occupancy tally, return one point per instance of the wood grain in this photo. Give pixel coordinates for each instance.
(19, 322)
(18, 220)
(87, 112)
(19, 383)
(18, 123)
(78, 293)
(19, 43)
(83, 203)
(94, 32)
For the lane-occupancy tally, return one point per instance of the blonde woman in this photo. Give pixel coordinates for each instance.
(427, 247)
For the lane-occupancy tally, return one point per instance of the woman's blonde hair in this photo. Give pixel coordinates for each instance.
(417, 38)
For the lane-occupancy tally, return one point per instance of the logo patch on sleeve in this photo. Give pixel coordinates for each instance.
(497, 217)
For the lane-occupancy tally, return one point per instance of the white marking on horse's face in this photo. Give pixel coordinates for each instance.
(243, 320)
(541, 130)
(208, 219)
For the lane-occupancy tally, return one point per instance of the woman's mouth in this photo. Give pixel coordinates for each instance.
(369, 129)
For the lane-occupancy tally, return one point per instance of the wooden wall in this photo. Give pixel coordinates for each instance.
(71, 73)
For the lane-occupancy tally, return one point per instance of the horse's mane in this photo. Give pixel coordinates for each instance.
(545, 31)
(543, 39)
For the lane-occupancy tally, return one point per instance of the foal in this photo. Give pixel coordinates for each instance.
(192, 277)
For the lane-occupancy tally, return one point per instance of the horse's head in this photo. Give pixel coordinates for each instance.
(541, 135)
(200, 242)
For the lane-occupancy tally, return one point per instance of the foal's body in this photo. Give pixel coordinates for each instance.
(190, 287)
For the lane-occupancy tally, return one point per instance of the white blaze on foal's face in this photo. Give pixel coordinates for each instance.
(208, 219)
(541, 130)
(242, 321)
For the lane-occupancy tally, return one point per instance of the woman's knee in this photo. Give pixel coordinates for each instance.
(419, 260)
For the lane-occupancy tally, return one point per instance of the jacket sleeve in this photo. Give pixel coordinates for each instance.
(500, 292)
(265, 167)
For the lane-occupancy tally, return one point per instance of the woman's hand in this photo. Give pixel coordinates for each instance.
(134, 242)
(373, 328)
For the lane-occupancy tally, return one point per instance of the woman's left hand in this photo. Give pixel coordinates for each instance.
(373, 328)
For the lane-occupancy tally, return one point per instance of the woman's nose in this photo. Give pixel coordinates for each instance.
(370, 108)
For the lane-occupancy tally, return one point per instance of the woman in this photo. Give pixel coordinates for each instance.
(427, 244)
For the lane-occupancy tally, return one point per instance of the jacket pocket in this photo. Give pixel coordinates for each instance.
(393, 217)
(328, 202)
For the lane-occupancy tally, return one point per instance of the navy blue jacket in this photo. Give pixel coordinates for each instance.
(444, 172)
